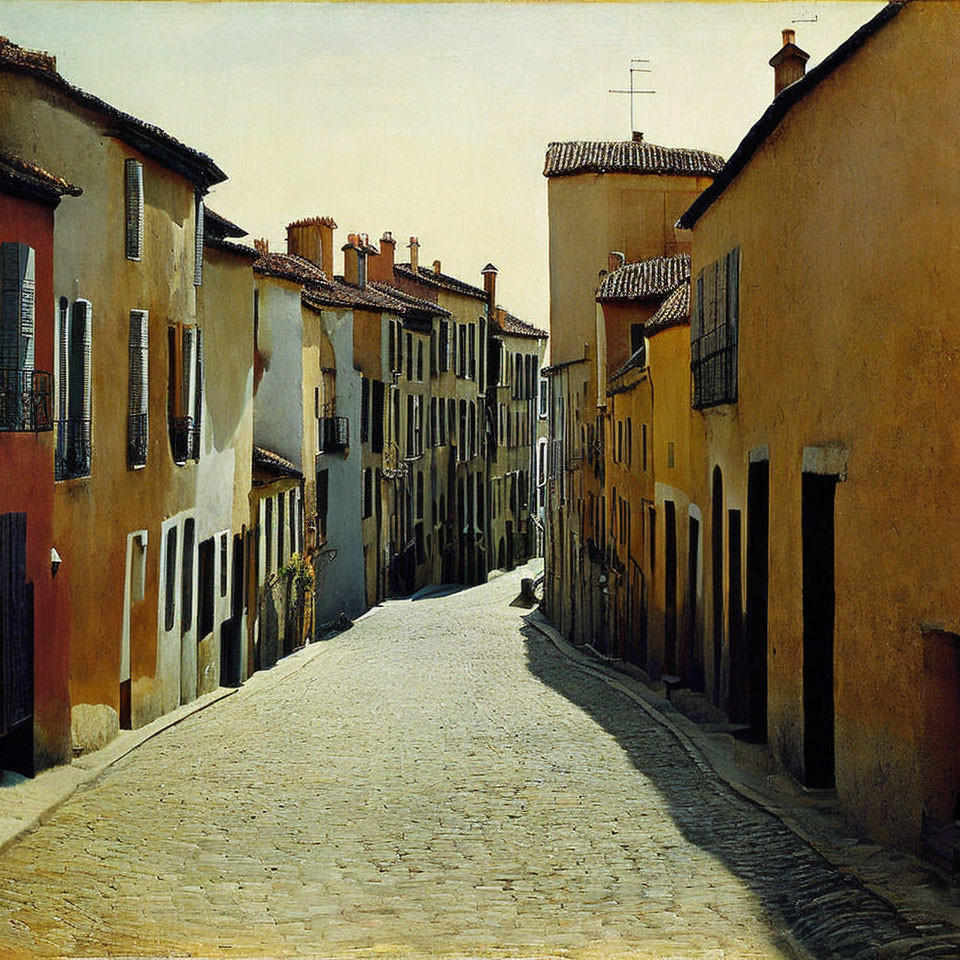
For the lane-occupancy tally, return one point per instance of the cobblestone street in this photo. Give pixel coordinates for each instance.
(437, 781)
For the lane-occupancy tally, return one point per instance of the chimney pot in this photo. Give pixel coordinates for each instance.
(261, 245)
(789, 63)
(436, 266)
(637, 136)
(414, 246)
(789, 36)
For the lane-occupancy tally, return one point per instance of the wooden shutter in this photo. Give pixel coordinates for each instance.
(198, 395)
(134, 208)
(17, 306)
(139, 362)
(16, 624)
(198, 245)
(376, 438)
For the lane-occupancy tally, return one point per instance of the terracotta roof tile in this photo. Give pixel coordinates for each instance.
(519, 328)
(414, 304)
(22, 176)
(149, 139)
(673, 312)
(627, 156)
(274, 463)
(442, 281)
(645, 279)
(287, 266)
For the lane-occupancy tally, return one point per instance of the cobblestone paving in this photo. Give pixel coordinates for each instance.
(438, 782)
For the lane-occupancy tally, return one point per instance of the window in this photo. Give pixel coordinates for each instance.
(376, 436)
(185, 391)
(409, 356)
(198, 245)
(472, 339)
(73, 451)
(133, 172)
(323, 480)
(636, 337)
(367, 492)
(281, 513)
(629, 441)
(419, 494)
(420, 360)
(170, 580)
(714, 330)
(268, 535)
(482, 350)
(137, 412)
(473, 430)
(292, 511)
(186, 576)
(441, 422)
(670, 455)
(224, 561)
(364, 409)
(205, 605)
(443, 346)
(462, 356)
(432, 441)
(544, 397)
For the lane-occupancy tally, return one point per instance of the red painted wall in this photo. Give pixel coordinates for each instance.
(26, 485)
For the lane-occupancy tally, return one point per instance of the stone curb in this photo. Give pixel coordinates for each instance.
(703, 752)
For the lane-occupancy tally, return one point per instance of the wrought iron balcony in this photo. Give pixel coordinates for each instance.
(137, 440)
(26, 401)
(184, 439)
(73, 449)
(334, 434)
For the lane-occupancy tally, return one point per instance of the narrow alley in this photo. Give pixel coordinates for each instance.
(435, 781)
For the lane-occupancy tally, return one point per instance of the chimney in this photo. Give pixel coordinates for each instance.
(312, 239)
(789, 63)
(436, 266)
(380, 267)
(351, 260)
(261, 245)
(414, 254)
(615, 260)
(490, 285)
(637, 136)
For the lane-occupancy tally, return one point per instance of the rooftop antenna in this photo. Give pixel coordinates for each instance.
(812, 19)
(633, 91)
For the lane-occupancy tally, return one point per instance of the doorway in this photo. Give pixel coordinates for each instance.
(670, 586)
(819, 600)
(717, 565)
(692, 654)
(758, 579)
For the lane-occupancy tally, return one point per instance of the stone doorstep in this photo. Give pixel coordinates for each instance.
(815, 819)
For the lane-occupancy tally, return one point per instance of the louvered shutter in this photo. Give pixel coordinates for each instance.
(198, 397)
(186, 371)
(139, 390)
(733, 317)
(17, 264)
(63, 332)
(134, 208)
(198, 246)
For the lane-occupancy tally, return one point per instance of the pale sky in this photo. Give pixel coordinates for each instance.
(427, 119)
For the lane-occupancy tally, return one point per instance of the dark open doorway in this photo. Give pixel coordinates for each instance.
(716, 531)
(739, 660)
(670, 586)
(819, 493)
(692, 654)
(758, 578)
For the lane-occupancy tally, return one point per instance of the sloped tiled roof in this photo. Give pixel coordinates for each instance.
(22, 177)
(645, 279)
(569, 158)
(274, 463)
(227, 246)
(781, 106)
(635, 361)
(411, 302)
(288, 266)
(673, 312)
(516, 327)
(149, 139)
(217, 226)
(441, 281)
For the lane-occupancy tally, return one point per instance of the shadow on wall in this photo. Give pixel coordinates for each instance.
(788, 879)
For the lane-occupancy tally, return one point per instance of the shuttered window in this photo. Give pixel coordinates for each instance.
(376, 433)
(137, 411)
(364, 410)
(133, 172)
(17, 318)
(714, 332)
(185, 391)
(198, 245)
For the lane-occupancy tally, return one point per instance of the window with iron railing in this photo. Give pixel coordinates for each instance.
(26, 401)
(714, 332)
(333, 432)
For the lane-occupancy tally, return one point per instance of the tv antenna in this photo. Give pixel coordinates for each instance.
(812, 19)
(633, 91)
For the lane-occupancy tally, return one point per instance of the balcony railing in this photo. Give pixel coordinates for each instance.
(334, 434)
(184, 439)
(26, 401)
(73, 449)
(137, 440)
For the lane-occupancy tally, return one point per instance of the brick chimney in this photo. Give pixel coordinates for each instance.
(638, 136)
(789, 63)
(351, 260)
(490, 285)
(414, 254)
(312, 239)
(380, 266)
